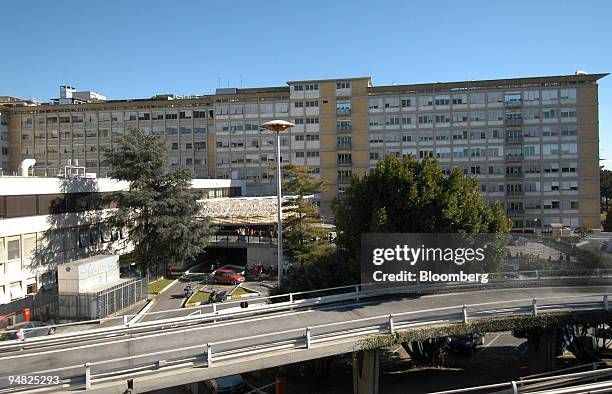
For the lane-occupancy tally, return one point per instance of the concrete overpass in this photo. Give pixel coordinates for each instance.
(181, 350)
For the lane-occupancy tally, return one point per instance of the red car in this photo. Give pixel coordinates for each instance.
(227, 276)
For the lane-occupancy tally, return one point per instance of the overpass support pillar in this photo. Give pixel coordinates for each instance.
(365, 372)
(542, 351)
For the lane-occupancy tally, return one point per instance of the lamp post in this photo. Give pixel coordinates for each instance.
(277, 126)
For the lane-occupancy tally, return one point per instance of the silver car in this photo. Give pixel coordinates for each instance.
(29, 329)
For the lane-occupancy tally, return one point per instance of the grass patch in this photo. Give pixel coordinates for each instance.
(238, 292)
(156, 286)
(197, 297)
(175, 275)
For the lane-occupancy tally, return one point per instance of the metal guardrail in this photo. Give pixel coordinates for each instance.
(303, 299)
(306, 337)
(554, 381)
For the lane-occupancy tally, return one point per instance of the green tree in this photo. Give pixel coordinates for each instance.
(159, 211)
(401, 195)
(412, 196)
(605, 187)
(302, 231)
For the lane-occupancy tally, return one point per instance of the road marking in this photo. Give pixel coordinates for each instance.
(486, 346)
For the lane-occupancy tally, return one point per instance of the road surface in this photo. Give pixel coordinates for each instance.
(252, 332)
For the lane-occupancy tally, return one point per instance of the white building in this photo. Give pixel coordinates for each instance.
(48, 221)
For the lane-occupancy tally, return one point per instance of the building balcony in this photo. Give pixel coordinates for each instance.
(514, 157)
(344, 145)
(344, 128)
(514, 139)
(515, 211)
(515, 176)
(343, 111)
(344, 179)
(513, 103)
(514, 121)
(347, 162)
(514, 193)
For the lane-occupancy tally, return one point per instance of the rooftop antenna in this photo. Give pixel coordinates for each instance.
(241, 81)
(218, 82)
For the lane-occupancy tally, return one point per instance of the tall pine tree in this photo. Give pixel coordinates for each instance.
(302, 231)
(159, 211)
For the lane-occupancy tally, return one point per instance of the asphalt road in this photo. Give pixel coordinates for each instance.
(251, 332)
(170, 299)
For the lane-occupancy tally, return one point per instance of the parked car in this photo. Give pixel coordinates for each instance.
(227, 384)
(227, 276)
(466, 344)
(29, 329)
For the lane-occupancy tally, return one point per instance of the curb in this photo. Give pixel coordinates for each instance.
(254, 292)
(141, 312)
(268, 286)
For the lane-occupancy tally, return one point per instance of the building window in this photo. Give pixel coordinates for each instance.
(425, 119)
(374, 103)
(392, 102)
(343, 142)
(425, 101)
(549, 95)
(477, 98)
(392, 121)
(567, 95)
(407, 102)
(442, 100)
(343, 85)
(568, 112)
(13, 249)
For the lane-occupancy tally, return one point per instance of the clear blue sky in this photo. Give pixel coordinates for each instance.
(139, 48)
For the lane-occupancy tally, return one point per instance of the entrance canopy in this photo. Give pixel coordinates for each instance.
(242, 210)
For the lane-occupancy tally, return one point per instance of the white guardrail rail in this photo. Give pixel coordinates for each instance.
(595, 380)
(176, 318)
(267, 344)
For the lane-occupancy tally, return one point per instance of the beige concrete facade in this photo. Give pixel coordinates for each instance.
(532, 142)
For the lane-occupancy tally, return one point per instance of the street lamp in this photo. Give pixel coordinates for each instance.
(278, 126)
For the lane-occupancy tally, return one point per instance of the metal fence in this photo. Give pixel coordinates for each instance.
(89, 306)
